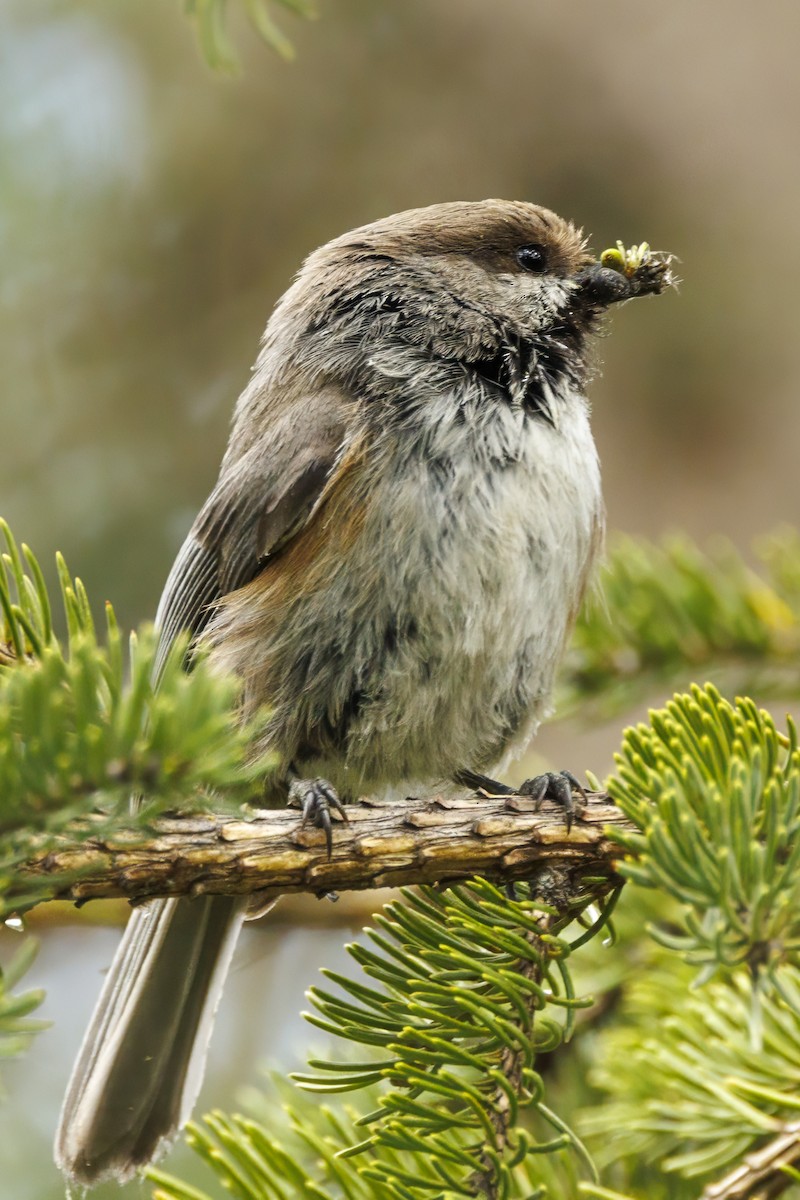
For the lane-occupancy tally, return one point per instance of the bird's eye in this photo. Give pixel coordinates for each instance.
(532, 258)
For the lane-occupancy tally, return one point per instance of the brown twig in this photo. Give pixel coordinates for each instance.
(762, 1174)
(433, 840)
(512, 1064)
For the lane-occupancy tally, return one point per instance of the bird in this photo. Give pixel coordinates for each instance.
(406, 519)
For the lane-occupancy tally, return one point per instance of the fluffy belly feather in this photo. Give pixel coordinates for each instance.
(418, 628)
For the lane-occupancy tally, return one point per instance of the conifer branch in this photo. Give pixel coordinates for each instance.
(433, 840)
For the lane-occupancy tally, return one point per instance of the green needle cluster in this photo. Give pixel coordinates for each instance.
(82, 726)
(467, 988)
(714, 789)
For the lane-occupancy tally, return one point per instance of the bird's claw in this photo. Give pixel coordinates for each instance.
(315, 798)
(559, 786)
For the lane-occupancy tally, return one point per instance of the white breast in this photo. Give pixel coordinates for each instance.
(478, 543)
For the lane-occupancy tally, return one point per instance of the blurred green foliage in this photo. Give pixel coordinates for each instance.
(683, 1084)
(216, 47)
(671, 611)
(17, 1027)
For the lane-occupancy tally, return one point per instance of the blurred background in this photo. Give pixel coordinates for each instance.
(151, 212)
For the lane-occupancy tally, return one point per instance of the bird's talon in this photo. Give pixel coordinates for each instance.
(552, 785)
(575, 784)
(559, 786)
(315, 798)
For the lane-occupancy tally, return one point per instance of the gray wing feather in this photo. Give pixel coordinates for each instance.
(257, 506)
(191, 588)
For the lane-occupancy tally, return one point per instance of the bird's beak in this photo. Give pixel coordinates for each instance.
(621, 276)
(600, 286)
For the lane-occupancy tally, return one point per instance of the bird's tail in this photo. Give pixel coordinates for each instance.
(141, 1064)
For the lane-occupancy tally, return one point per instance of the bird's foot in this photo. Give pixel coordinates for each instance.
(560, 786)
(315, 798)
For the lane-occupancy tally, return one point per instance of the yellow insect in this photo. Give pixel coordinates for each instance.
(627, 261)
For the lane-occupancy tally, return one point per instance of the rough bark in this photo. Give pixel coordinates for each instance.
(432, 840)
